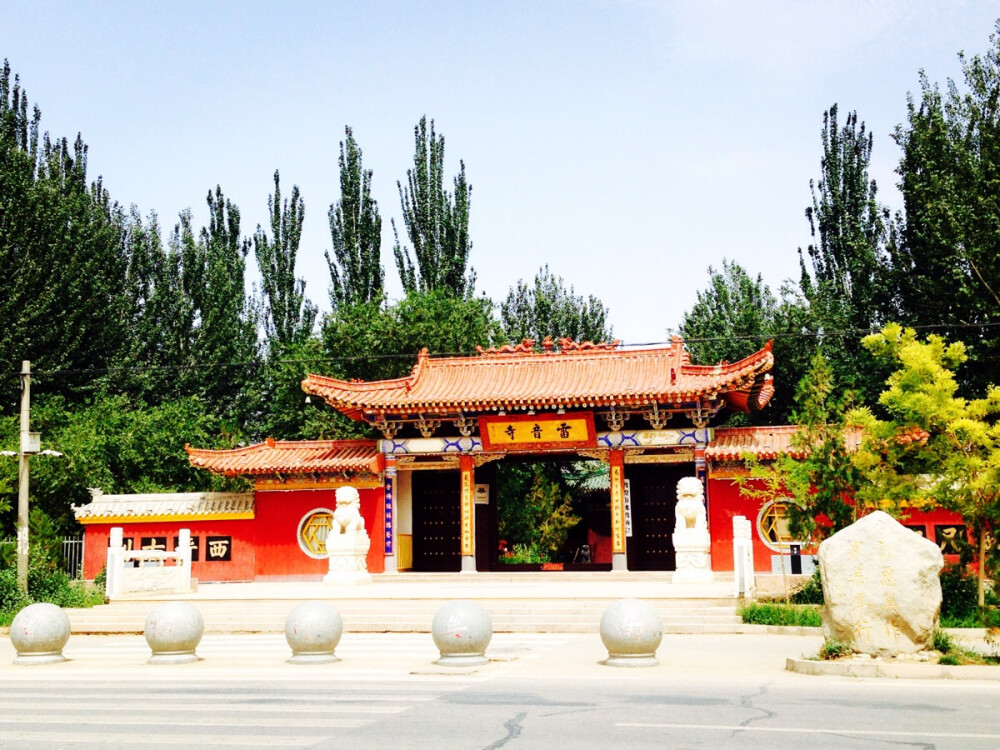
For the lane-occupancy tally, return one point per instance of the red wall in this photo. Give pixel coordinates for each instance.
(264, 548)
(239, 568)
(725, 501)
(278, 514)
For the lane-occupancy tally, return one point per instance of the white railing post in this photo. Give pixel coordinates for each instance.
(745, 583)
(184, 547)
(116, 562)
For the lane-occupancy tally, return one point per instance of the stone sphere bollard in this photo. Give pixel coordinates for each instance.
(173, 632)
(462, 630)
(38, 634)
(313, 630)
(631, 630)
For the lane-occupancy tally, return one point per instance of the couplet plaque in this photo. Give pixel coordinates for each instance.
(538, 432)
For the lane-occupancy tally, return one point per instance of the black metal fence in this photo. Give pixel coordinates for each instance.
(72, 554)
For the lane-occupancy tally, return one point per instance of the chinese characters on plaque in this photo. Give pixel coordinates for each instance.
(217, 548)
(538, 432)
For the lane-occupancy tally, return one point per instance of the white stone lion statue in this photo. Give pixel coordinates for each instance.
(689, 513)
(347, 516)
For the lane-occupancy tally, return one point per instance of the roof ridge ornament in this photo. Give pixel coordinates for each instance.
(527, 346)
(567, 344)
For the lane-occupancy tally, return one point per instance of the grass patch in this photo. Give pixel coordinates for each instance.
(954, 655)
(788, 615)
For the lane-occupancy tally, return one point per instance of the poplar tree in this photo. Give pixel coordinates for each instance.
(947, 261)
(845, 278)
(61, 253)
(356, 274)
(289, 314)
(737, 314)
(437, 222)
(225, 345)
(547, 308)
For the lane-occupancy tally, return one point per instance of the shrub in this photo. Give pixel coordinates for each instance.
(12, 598)
(810, 592)
(45, 584)
(959, 598)
(942, 642)
(525, 553)
(833, 649)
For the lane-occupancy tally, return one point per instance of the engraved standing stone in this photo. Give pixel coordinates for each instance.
(882, 587)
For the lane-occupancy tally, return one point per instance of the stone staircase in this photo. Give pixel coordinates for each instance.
(563, 602)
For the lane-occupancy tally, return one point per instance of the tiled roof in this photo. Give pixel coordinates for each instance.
(579, 376)
(199, 505)
(764, 443)
(290, 457)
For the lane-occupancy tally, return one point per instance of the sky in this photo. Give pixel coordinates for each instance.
(628, 144)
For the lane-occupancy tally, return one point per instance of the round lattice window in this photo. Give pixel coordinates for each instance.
(313, 530)
(772, 525)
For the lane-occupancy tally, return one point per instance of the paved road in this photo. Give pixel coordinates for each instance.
(541, 691)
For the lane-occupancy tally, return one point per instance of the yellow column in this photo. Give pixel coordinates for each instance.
(468, 520)
(616, 460)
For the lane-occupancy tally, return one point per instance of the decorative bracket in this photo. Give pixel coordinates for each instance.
(427, 426)
(601, 454)
(700, 415)
(656, 418)
(465, 425)
(387, 427)
(615, 419)
(480, 459)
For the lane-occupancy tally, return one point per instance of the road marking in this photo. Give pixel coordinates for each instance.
(105, 739)
(324, 701)
(291, 706)
(37, 717)
(808, 730)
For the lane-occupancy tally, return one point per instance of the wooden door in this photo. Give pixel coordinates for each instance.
(437, 522)
(654, 495)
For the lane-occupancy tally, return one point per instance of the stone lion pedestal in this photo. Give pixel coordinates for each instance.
(347, 543)
(692, 543)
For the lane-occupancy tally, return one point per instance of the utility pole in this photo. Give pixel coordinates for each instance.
(30, 443)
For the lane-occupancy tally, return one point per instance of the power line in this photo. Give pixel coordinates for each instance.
(788, 335)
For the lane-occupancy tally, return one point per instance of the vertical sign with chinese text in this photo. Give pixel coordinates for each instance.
(390, 488)
(467, 507)
(617, 503)
(628, 509)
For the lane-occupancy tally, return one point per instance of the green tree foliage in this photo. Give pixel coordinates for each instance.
(534, 509)
(731, 319)
(948, 257)
(61, 255)
(281, 410)
(846, 279)
(193, 328)
(738, 314)
(111, 443)
(437, 222)
(289, 316)
(818, 476)
(356, 276)
(226, 336)
(936, 448)
(548, 309)
(372, 342)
